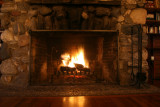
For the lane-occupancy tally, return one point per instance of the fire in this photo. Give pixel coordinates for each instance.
(76, 58)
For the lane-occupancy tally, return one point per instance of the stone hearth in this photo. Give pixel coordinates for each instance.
(74, 90)
(19, 17)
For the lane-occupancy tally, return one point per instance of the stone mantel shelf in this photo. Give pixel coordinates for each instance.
(74, 30)
(79, 33)
(110, 2)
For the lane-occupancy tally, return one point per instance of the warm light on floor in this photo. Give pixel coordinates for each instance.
(72, 101)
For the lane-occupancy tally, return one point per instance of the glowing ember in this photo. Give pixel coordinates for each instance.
(77, 58)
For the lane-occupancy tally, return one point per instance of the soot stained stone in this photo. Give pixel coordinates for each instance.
(5, 52)
(59, 18)
(113, 23)
(91, 9)
(74, 17)
(40, 22)
(98, 23)
(45, 10)
(126, 29)
(107, 22)
(48, 23)
(5, 21)
(115, 12)
(101, 11)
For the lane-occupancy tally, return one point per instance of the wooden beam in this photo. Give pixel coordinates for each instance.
(74, 31)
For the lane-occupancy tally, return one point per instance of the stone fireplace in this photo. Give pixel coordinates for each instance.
(38, 38)
(74, 57)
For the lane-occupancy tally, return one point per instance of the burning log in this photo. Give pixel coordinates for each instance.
(72, 70)
(67, 69)
(79, 66)
(64, 68)
(86, 70)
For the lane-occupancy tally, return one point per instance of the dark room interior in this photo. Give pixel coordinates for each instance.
(79, 53)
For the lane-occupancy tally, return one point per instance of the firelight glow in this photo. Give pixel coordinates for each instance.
(76, 58)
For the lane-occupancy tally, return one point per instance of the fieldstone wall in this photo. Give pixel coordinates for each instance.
(132, 13)
(18, 18)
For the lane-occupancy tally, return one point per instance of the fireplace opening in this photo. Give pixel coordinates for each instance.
(73, 57)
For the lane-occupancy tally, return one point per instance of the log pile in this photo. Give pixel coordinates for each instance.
(79, 69)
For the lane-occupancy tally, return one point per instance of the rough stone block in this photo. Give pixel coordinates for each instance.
(45, 10)
(84, 15)
(107, 24)
(131, 2)
(120, 18)
(6, 79)
(74, 15)
(115, 12)
(7, 36)
(123, 10)
(91, 9)
(8, 68)
(18, 0)
(113, 23)
(98, 23)
(101, 11)
(8, 7)
(5, 52)
(16, 13)
(124, 78)
(40, 22)
(18, 28)
(48, 22)
(32, 13)
(144, 54)
(22, 18)
(25, 59)
(128, 19)
(23, 40)
(131, 6)
(22, 6)
(21, 80)
(5, 21)
(139, 15)
(126, 29)
(19, 52)
(31, 24)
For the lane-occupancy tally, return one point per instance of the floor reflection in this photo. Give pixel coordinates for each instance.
(74, 101)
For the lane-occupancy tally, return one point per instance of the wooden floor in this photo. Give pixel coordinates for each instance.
(148, 100)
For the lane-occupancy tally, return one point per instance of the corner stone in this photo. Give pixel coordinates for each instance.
(138, 16)
(8, 68)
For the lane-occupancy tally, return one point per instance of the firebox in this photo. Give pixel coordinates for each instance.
(73, 57)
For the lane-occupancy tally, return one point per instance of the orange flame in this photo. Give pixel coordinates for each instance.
(77, 58)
